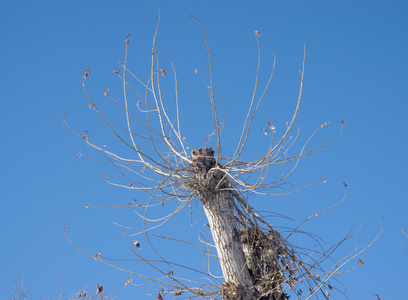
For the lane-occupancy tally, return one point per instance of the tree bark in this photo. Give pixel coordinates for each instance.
(219, 208)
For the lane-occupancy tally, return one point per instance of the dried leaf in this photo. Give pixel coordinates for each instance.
(271, 126)
(256, 32)
(127, 38)
(86, 74)
(99, 289)
(324, 124)
(129, 280)
(361, 262)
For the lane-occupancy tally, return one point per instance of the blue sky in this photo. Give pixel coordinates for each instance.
(356, 71)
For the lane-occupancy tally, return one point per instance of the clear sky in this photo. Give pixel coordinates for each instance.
(356, 71)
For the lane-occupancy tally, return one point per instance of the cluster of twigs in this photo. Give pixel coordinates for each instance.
(20, 292)
(161, 167)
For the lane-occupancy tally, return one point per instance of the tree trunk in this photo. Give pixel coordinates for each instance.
(219, 209)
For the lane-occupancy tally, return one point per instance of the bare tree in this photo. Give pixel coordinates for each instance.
(257, 261)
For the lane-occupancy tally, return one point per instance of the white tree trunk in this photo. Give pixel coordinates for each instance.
(220, 215)
(219, 209)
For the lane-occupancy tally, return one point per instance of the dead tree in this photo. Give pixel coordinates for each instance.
(256, 261)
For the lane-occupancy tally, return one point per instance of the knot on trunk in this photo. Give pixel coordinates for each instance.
(209, 174)
(203, 160)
